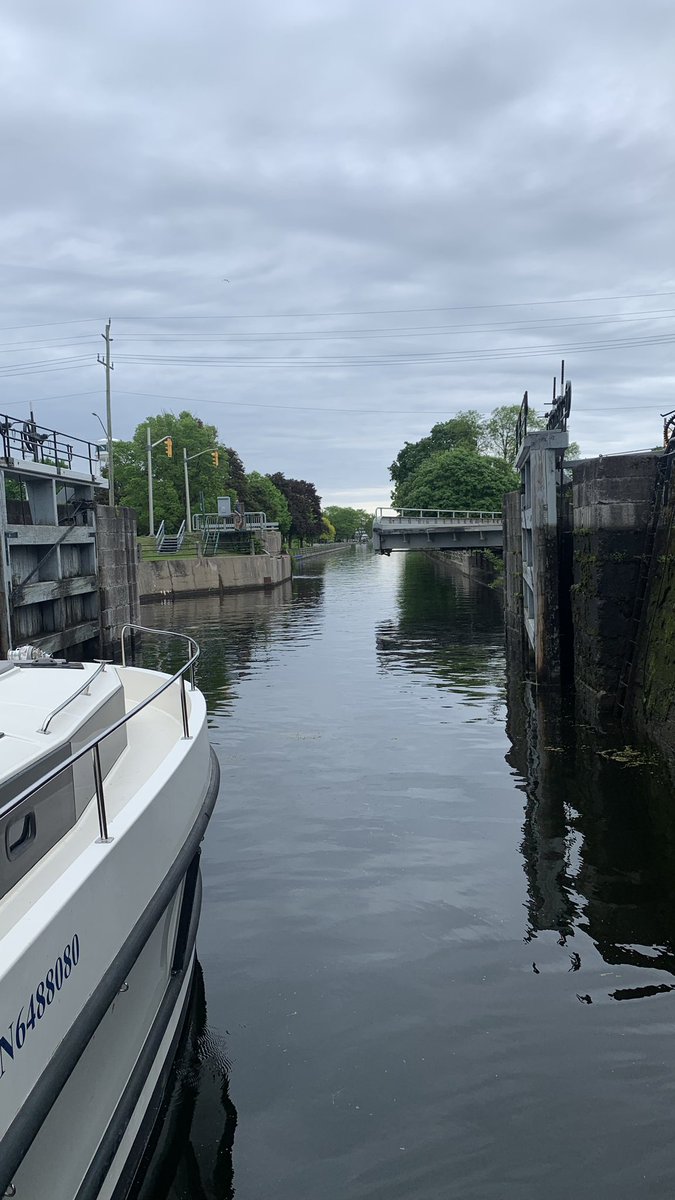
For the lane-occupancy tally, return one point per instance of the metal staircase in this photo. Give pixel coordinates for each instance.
(171, 542)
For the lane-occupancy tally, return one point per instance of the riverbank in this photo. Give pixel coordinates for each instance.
(177, 577)
(318, 551)
(480, 566)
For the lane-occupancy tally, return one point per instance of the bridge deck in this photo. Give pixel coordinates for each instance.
(444, 529)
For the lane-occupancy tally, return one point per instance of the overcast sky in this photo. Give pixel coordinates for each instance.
(323, 225)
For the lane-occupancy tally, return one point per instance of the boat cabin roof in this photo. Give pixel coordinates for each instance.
(30, 694)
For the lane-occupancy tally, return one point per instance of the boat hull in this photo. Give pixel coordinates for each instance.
(82, 1127)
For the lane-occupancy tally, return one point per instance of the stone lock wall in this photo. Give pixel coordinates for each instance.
(612, 499)
(513, 577)
(116, 543)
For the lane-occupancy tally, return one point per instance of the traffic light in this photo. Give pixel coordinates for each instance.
(168, 445)
(214, 456)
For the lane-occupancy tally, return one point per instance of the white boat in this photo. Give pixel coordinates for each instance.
(107, 783)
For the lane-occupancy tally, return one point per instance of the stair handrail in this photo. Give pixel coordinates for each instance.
(159, 537)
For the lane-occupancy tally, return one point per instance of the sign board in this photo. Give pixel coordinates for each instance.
(224, 506)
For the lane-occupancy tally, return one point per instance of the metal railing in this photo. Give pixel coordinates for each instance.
(521, 424)
(436, 516)
(93, 746)
(84, 690)
(25, 440)
(159, 537)
(234, 522)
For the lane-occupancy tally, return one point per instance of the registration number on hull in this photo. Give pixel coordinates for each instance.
(40, 999)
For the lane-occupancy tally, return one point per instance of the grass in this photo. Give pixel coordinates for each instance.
(191, 548)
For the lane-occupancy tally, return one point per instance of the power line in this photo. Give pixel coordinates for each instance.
(491, 354)
(348, 313)
(383, 333)
(46, 324)
(46, 370)
(42, 362)
(404, 332)
(383, 412)
(381, 311)
(58, 396)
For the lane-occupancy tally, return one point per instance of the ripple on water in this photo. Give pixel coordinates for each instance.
(437, 923)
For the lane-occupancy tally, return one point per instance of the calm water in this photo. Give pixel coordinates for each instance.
(437, 934)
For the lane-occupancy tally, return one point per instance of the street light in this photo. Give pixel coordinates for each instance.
(213, 450)
(169, 450)
(108, 438)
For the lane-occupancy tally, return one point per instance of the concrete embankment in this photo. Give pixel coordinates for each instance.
(321, 551)
(171, 578)
(475, 565)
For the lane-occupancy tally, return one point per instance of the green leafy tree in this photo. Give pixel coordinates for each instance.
(499, 432)
(304, 505)
(263, 496)
(463, 430)
(347, 521)
(206, 479)
(237, 479)
(459, 478)
(328, 534)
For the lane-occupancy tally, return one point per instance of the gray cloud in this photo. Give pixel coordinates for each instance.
(337, 157)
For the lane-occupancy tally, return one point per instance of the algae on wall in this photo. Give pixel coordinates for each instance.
(652, 699)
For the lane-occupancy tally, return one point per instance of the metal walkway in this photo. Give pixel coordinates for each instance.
(442, 529)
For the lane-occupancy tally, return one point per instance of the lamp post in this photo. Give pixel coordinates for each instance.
(213, 451)
(168, 440)
(108, 438)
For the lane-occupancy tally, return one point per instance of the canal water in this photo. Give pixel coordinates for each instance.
(437, 931)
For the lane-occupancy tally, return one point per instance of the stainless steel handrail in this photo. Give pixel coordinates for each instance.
(92, 747)
(183, 637)
(85, 688)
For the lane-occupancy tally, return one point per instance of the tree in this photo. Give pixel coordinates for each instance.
(347, 521)
(206, 479)
(499, 432)
(263, 496)
(304, 505)
(237, 477)
(459, 478)
(463, 430)
(328, 534)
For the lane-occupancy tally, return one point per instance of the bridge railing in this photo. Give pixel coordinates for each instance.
(436, 516)
(234, 522)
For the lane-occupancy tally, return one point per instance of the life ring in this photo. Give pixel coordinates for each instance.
(238, 519)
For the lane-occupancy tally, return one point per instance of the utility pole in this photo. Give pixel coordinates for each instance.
(109, 366)
(188, 512)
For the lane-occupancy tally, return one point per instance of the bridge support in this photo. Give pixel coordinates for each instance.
(540, 466)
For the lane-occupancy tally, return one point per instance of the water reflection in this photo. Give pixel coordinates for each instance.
(598, 838)
(233, 631)
(448, 627)
(409, 1011)
(192, 1157)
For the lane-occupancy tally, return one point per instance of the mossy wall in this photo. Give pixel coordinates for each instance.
(612, 504)
(652, 698)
